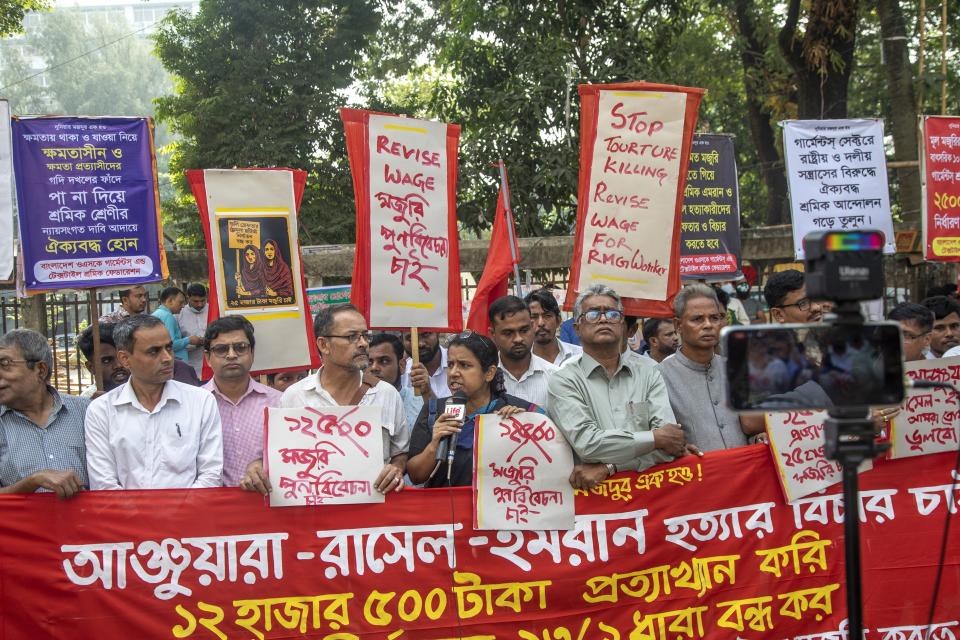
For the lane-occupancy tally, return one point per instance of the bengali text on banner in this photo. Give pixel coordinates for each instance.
(700, 548)
(88, 202)
(407, 267)
(940, 173)
(635, 141)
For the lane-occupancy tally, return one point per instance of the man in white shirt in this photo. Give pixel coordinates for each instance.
(525, 375)
(193, 322)
(545, 314)
(152, 432)
(430, 374)
(343, 339)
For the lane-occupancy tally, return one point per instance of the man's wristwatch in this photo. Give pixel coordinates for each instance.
(611, 469)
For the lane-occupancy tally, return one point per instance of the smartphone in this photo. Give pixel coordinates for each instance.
(813, 366)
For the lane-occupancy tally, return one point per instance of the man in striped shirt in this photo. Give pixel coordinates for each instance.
(41, 431)
(525, 375)
(241, 399)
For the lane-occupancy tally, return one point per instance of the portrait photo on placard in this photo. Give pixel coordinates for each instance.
(255, 252)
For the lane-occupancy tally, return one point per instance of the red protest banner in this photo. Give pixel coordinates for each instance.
(701, 548)
(940, 169)
(635, 141)
(250, 227)
(406, 272)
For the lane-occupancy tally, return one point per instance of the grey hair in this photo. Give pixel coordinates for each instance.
(32, 345)
(123, 333)
(690, 292)
(594, 290)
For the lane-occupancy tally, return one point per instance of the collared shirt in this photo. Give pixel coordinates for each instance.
(177, 445)
(412, 404)
(26, 448)
(114, 316)
(173, 328)
(609, 418)
(438, 380)
(242, 425)
(532, 385)
(193, 323)
(567, 351)
(698, 397)
(396, 434)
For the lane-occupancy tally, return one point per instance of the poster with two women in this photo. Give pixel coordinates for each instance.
(250, 224)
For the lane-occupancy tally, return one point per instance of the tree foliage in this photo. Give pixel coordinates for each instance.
(259, 85)
(13, 11)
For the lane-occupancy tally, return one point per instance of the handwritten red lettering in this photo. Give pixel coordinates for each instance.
(632, 201)
(329, 423)
(398, 176)
(422, 156)
(634, 121)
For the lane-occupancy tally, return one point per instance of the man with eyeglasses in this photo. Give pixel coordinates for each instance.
(786, 296)
(240, 399)
(613, 410)
(545, 314)
(343, 341)
(41, 430)
(946, 325)
(916, 323)
(152, 432)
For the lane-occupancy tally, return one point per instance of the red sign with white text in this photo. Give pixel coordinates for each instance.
(700, 548)
(940, 162)
(635, 141)
(407, 267)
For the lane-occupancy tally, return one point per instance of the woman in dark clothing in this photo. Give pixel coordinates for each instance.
(472, 369)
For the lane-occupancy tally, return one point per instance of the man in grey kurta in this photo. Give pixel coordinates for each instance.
(613, 410)
(695, 375)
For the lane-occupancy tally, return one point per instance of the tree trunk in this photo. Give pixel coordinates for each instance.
(759, 116)
(903, 111)
(822, 56)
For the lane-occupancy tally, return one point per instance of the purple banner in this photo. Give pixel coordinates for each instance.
(87, 200)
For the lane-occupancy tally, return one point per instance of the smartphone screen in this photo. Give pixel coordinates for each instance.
(785, 367)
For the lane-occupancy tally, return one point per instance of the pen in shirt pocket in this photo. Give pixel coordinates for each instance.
(179, 434)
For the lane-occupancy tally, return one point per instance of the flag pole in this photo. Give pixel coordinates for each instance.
(511, 232)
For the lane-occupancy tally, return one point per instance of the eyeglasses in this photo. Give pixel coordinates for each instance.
(468, 334)
(221, 350)
(803, 304)
(6, 364)
(353, 338)
(910, 337)
(593, 316)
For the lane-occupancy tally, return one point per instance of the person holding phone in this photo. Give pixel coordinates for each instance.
(475, 379)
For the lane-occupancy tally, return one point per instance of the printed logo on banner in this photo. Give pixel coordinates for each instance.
(522, 473)
(940, 160)
(255, 251)
(797, 447)
(929, 420)
(837, 171)
(87, 194)
(710, 228)
(323, 455)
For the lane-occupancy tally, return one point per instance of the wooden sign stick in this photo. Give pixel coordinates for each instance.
(415, 351)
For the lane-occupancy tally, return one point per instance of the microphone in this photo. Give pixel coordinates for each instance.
(455, 406)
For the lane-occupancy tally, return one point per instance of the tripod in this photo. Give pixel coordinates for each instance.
(849, 439)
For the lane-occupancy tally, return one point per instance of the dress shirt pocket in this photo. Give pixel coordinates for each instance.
(638, 416)
(177, 453)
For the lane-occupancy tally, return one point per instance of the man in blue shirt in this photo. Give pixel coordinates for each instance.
(172, 300)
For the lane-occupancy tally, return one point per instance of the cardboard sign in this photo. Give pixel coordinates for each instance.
(325, 455)
(940, 175)
(521, 470)
(929, 420)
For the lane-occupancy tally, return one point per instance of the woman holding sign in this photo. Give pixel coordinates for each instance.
(477, 384)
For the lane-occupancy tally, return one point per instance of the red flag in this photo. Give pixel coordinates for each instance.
(493, 282)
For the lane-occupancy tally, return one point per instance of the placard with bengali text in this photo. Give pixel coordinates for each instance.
(929, 419)
(940, 177)
(323, 455)
(88, 202)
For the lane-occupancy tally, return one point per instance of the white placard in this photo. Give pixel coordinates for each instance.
(324, 455)
(522, 474)
(632, 196)
(837, 172)
(929, 419)
(6, 193)
(796, 442)
(409, 222)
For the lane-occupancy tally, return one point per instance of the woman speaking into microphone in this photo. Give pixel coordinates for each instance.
(477, 383)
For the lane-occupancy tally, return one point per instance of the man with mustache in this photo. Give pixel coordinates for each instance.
(152, 432)
(343, 341)
(525, 375)
(946, 325)
(113, 373)
(545, 314)
(429, 376)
